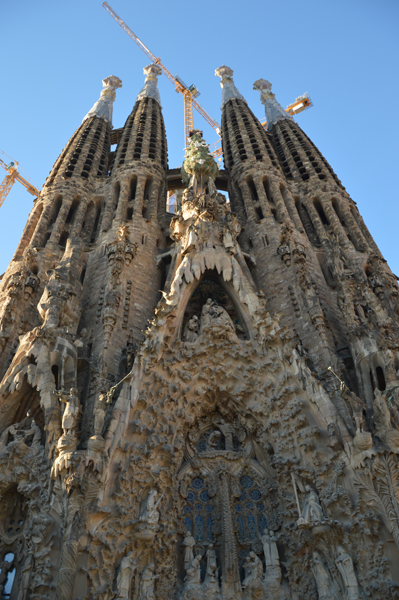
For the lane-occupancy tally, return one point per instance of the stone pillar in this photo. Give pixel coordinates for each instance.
(79, 217)
(138, 203)
(60, 222)
(121, 209)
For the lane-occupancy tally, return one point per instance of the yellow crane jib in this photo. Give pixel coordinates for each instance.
(12, 176)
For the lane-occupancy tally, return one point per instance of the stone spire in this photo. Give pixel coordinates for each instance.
(150, 89)
(103, 106)
(274, 111)
(229, 89)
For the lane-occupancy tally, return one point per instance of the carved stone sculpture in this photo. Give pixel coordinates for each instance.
(345, 566)
(72, 411)
(125, 575)
(253, 570)
(312, 511)
(147, 582)
(270, 549)
(191, 330)
(193, 573)
(188, 543)
(322, 578)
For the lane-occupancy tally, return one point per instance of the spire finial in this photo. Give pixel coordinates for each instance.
(227, 84)
(103, 106)
(150, 89)
(274, 111)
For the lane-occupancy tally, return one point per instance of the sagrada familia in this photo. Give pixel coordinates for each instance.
(201, 405)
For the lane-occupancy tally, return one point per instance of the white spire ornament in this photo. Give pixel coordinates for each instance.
(274, 111)
(150, 89)
(229, 90)
(103, 106)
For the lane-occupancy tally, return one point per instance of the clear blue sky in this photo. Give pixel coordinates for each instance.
(343, 52)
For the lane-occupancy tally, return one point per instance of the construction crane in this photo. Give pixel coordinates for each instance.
(12, 176)
(190, 93)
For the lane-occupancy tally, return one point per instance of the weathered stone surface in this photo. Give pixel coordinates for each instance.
(202, 405)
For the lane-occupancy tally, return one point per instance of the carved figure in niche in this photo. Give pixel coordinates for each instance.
(124, 578)
(188, 543)
(211, 583)
(270, 548)
(356, 405)
(191, 330)
(211, 557)
(26, 432)
(55, 299)
(206, 314)
(146, 587)
(70, 418)
(213, 440)
(148, 509)
(322, 579)
(193, 573)
(227, 431)
(253, 570)
(100, 410)
(312, 511)
(345, 567)
(26, 575)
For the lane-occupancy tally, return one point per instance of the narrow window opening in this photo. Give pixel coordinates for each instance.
(72, 211)
(266, 185)
(82, 275)
(63, 239)
(380, 379)
(133, 187)
(259, 212)
(321, 212)
(253, 190)
(265, 241)
(54, 370)
(129, 214)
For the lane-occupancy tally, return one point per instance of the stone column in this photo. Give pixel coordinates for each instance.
(121, 209)
(138, 203)
(60, 222)
(79, 217)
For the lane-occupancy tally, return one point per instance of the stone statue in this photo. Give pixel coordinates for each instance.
(193, 573)
(26, 432)
(211, 557)
(72, 411)
(312, 511)
(148, 509)
(188, 543)
(322, 578)
(100, 410)
(213, 440)
(227, 431)
(146, 587)
(205, 313)
(191, 330)
(26, 575)
(253, 570)
(345, 567)
(124, 578)
(270, 548)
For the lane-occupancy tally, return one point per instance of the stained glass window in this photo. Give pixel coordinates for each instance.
(198, 512)
(249, 511)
